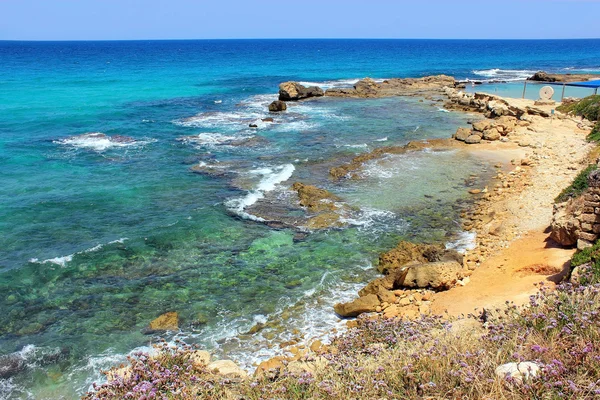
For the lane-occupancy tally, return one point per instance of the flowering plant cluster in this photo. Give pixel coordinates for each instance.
(559, 331)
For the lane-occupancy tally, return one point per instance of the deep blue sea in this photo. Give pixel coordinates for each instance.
(104, 226)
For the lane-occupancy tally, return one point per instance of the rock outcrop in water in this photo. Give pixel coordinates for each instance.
(293, 91)
(165, 322)
(350, 170)
(368, 88)
(277, 106)
(325, 204)
(409, 265)
(542, 76)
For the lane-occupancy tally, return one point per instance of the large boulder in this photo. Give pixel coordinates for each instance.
(441, 275)
(541, 76)
(565, 226)
(481, 126)
(227, 368)
(366, 87)
(292, 91)
(491, 134)
(406, 253)
(365, 304)
(462, 134)
(473, 139)
(519, 372)
(277, 106)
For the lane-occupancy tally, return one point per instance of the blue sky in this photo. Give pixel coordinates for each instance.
(201, 19)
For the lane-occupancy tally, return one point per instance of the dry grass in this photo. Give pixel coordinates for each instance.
(425, 359)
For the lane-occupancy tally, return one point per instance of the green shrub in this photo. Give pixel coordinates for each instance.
(588, 108)
(579, 185)
(590, 256)
(594, 135)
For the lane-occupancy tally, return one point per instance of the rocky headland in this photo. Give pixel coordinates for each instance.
(519, 232)
(542, 76)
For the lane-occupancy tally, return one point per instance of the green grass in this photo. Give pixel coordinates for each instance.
(594, 135)
(588, 108)
(579, 185)
(590, 256)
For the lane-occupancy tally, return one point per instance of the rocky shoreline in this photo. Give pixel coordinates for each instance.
(425, 279)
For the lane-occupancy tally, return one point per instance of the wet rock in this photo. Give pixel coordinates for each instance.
(293, 91)
(268, 119)
(314, 198)
(368, 88)
(277, 106)
(324, 221)
(541, 76)
(166, 322)
(440, 275)
(364, 304)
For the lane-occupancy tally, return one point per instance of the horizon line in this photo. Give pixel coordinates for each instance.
(283, 38)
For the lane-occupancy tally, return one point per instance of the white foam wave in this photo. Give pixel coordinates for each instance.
(232, 120)
(212, 139)
(383, 139)
(336, 83)
(355, 146)
(497, 74)
(100, 142)
(465, 241)
(441, 110)
(64, 260)
(368, 217)
(271, 178)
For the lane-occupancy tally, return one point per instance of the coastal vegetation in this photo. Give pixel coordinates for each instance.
(588, 108)
(557, 331)
(579, 185)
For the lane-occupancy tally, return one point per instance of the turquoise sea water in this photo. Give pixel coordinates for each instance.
(99, 236)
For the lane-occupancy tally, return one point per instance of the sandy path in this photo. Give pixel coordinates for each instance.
(513, 253)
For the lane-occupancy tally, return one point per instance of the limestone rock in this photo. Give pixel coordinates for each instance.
(473, 139)
(200, 358)
(361, 305)
(462, 134)
(565, 224)
(520, 372)
(481, 126)
(277, 106)
(270, 368)
(406, 252)
(441, 275)
(366, 87)
(324, 221)
(541, 76)
(507, 123)
(491, 134)
(386, 296)
(227, 368)
(292, 91)
(315, 199)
